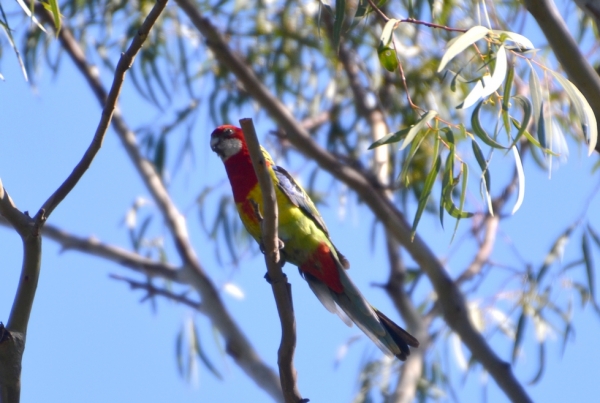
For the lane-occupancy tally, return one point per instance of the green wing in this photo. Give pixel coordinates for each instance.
(298, 197)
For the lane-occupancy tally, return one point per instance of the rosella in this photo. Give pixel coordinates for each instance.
(306, 241)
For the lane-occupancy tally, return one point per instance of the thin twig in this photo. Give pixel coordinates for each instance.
(281, 288)
(124, 64)
(414, 21)
(163, 292)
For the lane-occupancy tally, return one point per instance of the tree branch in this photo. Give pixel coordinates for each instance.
(192, 273)
(282, 290)
(453, 303)
(12, 337)
(124, 64)
(490, 223)
(152, 291)
(576, 65)
(411, 370)
(12, 345)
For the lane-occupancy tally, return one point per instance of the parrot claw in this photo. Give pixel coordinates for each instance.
(269, 280)
(280, 245)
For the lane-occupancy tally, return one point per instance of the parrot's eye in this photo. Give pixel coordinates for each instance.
(228, 132)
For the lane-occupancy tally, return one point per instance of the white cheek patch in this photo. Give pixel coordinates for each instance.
(229, 147)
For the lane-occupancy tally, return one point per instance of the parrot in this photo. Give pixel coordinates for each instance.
(305, 241)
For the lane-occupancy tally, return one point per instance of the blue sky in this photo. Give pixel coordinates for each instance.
(91, 340)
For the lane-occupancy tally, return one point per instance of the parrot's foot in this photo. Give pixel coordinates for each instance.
(280, 245)
(270, 281)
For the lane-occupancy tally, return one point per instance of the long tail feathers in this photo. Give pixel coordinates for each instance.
(402, 338)
(387, 335)
(323, 293)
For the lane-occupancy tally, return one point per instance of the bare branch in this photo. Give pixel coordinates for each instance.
(281, 288)
(11, 351)
(490, 223)
(452, 301)
(237, 345)
(414, 21)
(12, 338)
(115, 254)
(125, 63)
(152, 291)
(485, 249)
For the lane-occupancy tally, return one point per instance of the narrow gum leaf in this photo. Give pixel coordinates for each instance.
(486, 177)
(527, 109)
(473, 96)
(589, 266)
(545, 133)
(55, 14)
(30, 15)
(516, 38)
(519, 335)
(461, 43)
(555, 252)
(449, 135)
(594, 235)
(463, 193)
(386, 34)
(413, 150)
(480, 132)
(7, 31)
(179, 352)
(451, 207)
(521, 176)
(542, 365)
(446, 181)
(510, 76)
(483, 164)
(535, 90)
(390, 138)
(582, 109)
(361, 10)
(416, 128)
(203, 357)
(448, 185)
(428, 185)
(498, 75)
(340, 12)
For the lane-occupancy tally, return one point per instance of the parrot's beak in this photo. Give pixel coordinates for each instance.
(214, 142)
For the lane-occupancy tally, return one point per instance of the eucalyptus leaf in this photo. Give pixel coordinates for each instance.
(461, 43)
(519, 39)
(416, 128)
(582, 109)
(521, 178)
(388, 31)
(390, 138)
(425, 193)
(340, 13)
(480, 132)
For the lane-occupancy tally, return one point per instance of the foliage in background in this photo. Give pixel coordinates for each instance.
(453, 99)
